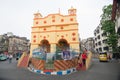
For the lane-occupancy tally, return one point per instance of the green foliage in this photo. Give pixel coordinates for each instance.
(112, 40)
(108, 26)
(107, 12)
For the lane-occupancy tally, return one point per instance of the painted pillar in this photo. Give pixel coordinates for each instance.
(53, 39)
(53, 48)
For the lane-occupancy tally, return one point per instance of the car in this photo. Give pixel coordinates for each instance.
(103, 57)
(3, 57)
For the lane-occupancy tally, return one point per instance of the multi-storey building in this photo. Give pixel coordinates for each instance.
(116, 17)
(82, 44)
(88, 44)
(12, 44)
(100, 40)
(18, 44)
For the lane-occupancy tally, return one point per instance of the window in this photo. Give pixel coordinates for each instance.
(106, 48)
(104, 34)
(96, 44)
(95, 34)
(95, 39)
(97, 31)
(98, 37)
(100, 49)
(99, 43)
(97, 50)
(104, 41)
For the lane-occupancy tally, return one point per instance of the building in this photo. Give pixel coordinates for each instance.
(116, 17)
(82, 45)
(55, 31)
(88, 44)
(100, 40)
(18, 44)
(12, 44)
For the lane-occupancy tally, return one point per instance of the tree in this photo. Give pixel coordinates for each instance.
(108, 26)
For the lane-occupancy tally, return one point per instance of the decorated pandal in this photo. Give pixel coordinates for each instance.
(54, 63)
(62, 63)
(55, 43)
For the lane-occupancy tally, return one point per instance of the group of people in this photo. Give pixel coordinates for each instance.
(82, 59)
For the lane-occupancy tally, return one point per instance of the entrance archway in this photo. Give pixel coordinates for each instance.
(63, 44)
(45, 46)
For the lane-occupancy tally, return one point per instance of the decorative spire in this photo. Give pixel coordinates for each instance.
(72, 11)
(59, 10)
(37, 15)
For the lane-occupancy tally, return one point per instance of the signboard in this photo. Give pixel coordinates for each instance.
(38, 53)
(66, 55)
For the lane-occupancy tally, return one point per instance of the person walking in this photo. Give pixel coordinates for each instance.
(10, 58)
(84, 57)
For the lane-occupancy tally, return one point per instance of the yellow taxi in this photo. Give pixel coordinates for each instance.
(103, 56)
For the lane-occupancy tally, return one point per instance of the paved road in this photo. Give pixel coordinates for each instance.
(98, 71)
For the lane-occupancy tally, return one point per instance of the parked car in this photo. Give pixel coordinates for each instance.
(103, 56)
(3, 57)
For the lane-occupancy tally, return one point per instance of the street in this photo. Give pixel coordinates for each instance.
(97, 71)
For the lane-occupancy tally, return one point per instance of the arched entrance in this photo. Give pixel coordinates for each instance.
(62, 45)
(45, 46)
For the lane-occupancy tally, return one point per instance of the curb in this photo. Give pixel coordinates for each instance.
(54, 73)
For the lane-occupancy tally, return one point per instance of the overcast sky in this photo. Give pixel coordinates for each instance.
(17, 15)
